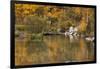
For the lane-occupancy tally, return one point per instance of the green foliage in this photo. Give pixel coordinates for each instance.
(37, 36)
(36, 24)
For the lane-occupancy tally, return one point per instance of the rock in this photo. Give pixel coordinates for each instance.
(89, 38)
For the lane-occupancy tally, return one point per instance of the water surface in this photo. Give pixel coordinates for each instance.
(53, 49)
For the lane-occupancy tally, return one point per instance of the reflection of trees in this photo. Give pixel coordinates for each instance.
(82, 52)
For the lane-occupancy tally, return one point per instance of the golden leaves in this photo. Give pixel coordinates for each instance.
(77, 10)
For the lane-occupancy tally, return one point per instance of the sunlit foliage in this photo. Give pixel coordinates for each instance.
(50, 18)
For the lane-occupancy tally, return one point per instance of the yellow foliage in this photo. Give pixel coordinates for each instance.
(77, 10)
(83, 25)
(26, 9)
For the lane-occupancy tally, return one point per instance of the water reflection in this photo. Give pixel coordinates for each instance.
(53, 49)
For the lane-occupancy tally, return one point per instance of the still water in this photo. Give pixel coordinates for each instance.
(53, 49)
